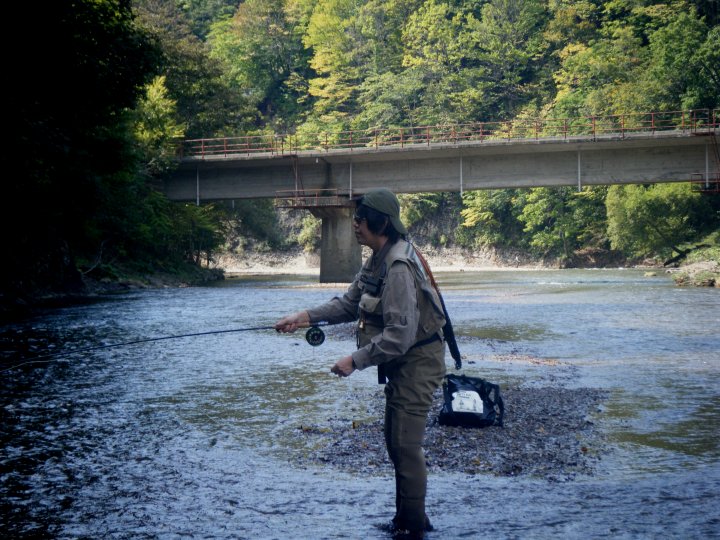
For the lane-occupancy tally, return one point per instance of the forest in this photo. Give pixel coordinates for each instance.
(95, 119)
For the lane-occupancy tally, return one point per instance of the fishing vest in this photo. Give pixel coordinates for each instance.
(372, 283)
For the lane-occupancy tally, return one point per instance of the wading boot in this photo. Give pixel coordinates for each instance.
(397, 530)
(404, 534)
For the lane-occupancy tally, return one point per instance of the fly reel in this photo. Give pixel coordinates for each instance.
(315, 336)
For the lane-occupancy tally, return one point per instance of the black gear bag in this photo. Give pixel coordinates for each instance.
(471, 402)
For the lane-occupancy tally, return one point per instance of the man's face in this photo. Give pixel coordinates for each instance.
(361, 230)
(364, 236)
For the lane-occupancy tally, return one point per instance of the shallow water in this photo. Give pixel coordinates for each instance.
(194, 437)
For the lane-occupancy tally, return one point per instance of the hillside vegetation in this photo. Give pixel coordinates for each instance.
(95, 118)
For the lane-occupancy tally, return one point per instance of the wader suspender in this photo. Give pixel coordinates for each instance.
(375, 280)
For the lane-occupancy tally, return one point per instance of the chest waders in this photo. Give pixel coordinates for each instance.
(410, 383)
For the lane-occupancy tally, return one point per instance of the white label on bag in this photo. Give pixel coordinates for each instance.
(467, 401)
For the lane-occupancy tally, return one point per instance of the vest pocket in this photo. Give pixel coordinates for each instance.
(370, 304)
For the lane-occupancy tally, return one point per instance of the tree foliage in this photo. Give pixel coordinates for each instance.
(157, 128)
(264, 59)
(359, 64)
(559, 221)
(94, 116)
(656, 219)
(195, 80)
(72, 141)
(491, 218)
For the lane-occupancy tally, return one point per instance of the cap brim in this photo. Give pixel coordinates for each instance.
(399, 227)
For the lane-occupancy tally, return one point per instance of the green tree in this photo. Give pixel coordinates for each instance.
(257, 218)
(309, 237)
(206, 104)
(490, 217)
(547, 221)
(415, 206)
(512, 48)
(643, 57)
(682, 71)
(388, 95)
(656, 220)
(596, 79)
(202, 14)
(72, 142)
(265, 59)
(572, 21)
(560, 220)
(332, 36)
(435, 49)
(393, 99)
(704, 89)
(157, 129)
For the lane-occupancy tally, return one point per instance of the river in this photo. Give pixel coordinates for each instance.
(194, 437)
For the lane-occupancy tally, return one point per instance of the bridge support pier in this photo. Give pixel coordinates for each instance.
(340, 254)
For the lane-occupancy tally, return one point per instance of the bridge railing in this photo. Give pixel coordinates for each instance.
(309, 198)
(593, 127)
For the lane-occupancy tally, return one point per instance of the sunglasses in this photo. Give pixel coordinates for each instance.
(358, 219)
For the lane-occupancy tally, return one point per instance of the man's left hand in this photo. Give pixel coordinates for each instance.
(343, 367)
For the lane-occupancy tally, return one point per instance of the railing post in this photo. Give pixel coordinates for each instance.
(709, 114)
(691, 121)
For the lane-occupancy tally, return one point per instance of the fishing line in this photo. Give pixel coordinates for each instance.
(314, 336)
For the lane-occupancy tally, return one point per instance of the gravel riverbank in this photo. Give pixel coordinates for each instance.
(549, 430)
(548, 433)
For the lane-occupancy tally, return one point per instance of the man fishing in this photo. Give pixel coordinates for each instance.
(400, 320)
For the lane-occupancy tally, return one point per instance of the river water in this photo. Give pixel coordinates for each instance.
(195, 437)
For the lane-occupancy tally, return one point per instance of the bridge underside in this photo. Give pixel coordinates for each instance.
(457, 167)
(664, 157)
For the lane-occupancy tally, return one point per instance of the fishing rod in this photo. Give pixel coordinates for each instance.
(314, 336)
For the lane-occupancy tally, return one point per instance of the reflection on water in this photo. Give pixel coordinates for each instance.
(195, 437)
(670, 421)
(488, 330)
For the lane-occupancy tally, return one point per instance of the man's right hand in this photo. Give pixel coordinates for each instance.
(290, 323)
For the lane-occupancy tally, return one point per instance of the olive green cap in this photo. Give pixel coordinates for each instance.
(383, 200)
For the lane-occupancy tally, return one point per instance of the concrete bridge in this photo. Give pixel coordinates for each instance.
(323, 175)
